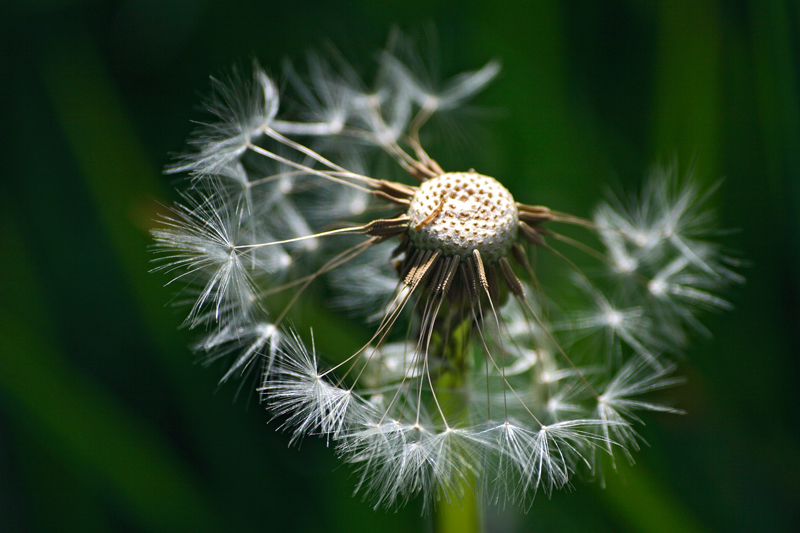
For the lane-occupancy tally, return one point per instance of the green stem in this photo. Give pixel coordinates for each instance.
(460, 511)
(459, 515)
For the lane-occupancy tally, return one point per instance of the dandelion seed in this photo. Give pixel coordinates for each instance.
(475, 378)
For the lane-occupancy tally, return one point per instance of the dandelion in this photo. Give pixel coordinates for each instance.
(476, 378)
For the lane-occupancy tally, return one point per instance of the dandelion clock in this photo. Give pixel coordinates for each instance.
(477, 385)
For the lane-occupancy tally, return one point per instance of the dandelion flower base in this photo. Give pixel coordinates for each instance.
(459, 212)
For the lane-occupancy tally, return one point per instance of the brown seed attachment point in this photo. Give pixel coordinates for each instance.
(459, 212)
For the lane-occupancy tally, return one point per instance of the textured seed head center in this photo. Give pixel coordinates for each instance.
(459, 212)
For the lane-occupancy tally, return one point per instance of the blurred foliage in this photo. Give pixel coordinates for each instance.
(105, 425)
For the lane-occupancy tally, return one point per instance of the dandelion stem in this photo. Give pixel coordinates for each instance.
(462, 515)
(458, 510)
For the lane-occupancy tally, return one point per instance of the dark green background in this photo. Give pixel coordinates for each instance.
(105, 423)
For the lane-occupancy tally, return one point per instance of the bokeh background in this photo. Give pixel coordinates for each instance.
(107, 425)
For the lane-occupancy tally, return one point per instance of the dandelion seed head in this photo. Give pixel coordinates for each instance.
(477, 376)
